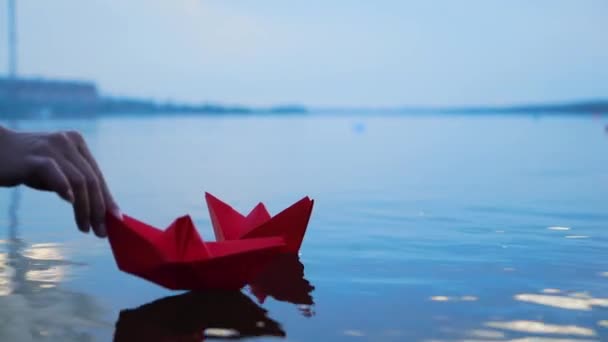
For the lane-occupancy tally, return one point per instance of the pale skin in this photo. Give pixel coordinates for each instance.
(60, 162)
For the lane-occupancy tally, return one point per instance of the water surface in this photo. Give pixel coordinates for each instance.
(425, 228)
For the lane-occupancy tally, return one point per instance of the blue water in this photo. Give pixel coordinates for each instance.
(425, 228)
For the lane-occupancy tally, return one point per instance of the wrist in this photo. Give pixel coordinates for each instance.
(6, 141)
(6, 171)
(4, 132)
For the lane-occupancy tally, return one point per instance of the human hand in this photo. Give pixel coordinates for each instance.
(62, 163)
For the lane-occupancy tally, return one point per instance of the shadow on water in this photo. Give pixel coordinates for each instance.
(194, 316)
(284, 281)
(32, 304)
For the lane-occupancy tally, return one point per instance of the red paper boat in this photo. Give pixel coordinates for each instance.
(179, 259)
(290, 224)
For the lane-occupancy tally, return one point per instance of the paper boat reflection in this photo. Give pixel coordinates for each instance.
(283, 279)
(195, 315)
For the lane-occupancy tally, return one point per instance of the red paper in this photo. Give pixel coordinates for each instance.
(290, 224)
(178, 258)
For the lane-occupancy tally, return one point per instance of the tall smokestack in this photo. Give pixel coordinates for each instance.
(12, 39)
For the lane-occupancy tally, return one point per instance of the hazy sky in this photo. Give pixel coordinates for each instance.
(321, 52)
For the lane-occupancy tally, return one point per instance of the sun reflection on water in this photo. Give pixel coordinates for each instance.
(354, 333)
(48, 278)
(487, 334)
(551, 291)
(539, 327)
(44, 251)
(25, 268)
(33, 305)
(572, 302)
(467, 298)
(6, 273)
(498, 329)
(577, 236)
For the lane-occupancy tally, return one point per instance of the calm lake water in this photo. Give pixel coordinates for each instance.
(425, 228)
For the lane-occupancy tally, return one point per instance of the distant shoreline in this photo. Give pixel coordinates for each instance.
(591, 107)
(140, 108)
(41, 98)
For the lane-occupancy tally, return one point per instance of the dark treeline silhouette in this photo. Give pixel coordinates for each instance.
(40, 98)
(582, 107)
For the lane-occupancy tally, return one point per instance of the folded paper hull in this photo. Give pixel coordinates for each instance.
(178, 259)
(229, 273)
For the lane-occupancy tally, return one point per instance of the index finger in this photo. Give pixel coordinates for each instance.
(86, 153)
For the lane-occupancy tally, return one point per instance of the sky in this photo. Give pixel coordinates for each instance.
(381, 53)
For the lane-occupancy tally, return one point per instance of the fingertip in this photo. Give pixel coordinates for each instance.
(84, 227)
(67, 196)
(116, 212)
(100, 231)
(70, 196)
